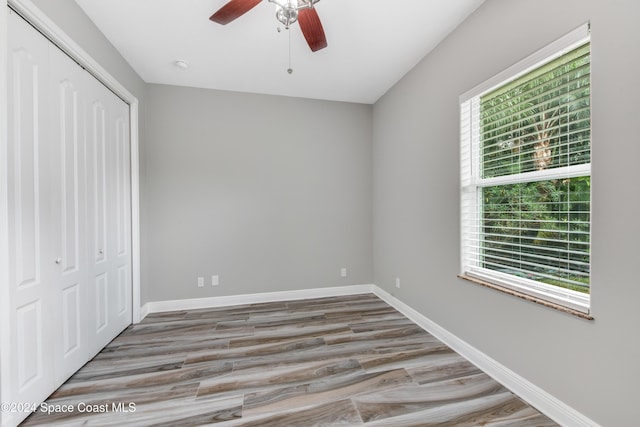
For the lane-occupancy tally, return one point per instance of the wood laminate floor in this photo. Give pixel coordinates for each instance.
(348, 361)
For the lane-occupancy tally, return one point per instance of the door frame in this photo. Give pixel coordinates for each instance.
(50, 30)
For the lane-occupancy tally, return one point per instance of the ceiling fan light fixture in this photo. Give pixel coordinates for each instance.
(287, 14)
(287, 10)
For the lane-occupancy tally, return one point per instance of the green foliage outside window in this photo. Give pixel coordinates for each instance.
(539, 228)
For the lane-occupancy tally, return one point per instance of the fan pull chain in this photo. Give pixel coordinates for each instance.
(289, 70)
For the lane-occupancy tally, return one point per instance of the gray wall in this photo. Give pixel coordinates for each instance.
(591, 365)
(270, 193)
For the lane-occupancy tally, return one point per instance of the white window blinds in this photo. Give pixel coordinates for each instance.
(526, 175)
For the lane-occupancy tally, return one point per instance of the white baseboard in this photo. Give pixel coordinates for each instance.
(196, 303)
(532, 394)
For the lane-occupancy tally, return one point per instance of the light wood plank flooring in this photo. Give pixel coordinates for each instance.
(350, 360)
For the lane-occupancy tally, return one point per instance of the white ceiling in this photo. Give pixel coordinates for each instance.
(371, 44)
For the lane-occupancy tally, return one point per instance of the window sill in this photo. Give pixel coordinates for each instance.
(526, 297)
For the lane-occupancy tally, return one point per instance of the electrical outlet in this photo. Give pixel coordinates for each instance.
(398, 282)
(200, 282)
(215, 280)
(343, 272)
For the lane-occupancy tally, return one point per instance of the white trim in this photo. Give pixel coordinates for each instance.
(565, 297)
(553, 50)
(564, 172)
(5, 335)
(225, 301)
(549, 405)
(144, 311)
(135, 210)
(46, 26)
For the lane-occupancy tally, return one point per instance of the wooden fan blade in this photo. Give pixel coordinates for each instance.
(232, 10)
(312, 29)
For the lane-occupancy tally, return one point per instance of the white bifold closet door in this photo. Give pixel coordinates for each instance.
(108, 181)
(69, 215)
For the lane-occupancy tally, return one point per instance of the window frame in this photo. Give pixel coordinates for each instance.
(471, 182)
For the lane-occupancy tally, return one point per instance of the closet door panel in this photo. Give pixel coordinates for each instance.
(30, 240)
(98, 180)
(67, 140)
(67, 83)
(26, 165)
(97, 221)
(109, 212)
(122, 175)
(101, 305)
(30, 349)
(108, 196)
(124, 291)
(121, 199)
(27, 86)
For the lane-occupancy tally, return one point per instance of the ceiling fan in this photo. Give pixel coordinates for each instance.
(287, 12)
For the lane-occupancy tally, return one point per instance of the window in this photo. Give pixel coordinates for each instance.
(526, 176)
